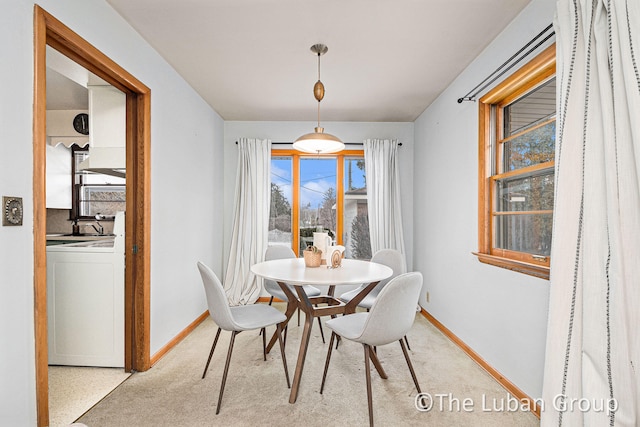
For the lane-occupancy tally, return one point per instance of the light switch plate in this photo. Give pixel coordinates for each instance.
(11, 210)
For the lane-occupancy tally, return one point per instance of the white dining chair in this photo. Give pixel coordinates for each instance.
(391, 258)
(272, 287)
(389, 319)
(236, 320)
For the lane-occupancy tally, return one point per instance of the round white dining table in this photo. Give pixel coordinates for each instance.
(293, 271)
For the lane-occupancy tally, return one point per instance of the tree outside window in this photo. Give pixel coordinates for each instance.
(319, 193)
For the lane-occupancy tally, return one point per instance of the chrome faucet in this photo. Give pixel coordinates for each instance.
(99, 228)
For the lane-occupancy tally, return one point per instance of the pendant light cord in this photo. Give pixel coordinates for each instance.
(320, 98)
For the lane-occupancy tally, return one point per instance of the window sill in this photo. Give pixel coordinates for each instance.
(539, 271)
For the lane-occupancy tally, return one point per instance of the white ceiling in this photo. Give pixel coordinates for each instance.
(387, 59)
(65, 94)
(67, 83)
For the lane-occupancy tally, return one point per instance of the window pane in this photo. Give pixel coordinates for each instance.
(526, 193)
(96, 193)
(531, 148)
(79, 157)
(105, 200)
(280, 211)
(355, 216)
(524, 233)
(317, 198)
(537, 106)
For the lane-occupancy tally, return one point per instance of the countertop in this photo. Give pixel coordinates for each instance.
(104, 244)
(79, 238)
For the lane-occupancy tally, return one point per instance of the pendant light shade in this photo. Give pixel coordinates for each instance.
(318, 142)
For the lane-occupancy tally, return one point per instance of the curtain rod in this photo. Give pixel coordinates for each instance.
(289, 143)
(498, 72)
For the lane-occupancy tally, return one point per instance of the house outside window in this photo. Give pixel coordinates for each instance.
(319, 193)
(516, 168)
(356, 212)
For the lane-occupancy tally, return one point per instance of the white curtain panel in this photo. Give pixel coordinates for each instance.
(250, 221)
(381, 158)
(592, 369)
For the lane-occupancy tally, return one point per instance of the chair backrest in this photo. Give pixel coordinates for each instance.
(394, 310)
(216, 299)
(393, 259)
(276, 252)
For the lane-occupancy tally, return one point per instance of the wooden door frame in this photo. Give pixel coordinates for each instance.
(49, 31)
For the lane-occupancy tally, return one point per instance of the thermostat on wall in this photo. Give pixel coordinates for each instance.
(12, 210)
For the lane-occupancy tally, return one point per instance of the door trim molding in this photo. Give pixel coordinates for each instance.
(50, 31)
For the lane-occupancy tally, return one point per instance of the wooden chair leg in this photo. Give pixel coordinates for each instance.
(283, 354)
(413, 374)
(264, 344)
(286, 328)
(376, 363)
(319, 325)
(326, 363)
(226, 370)
(375, 349)
(321, 332)
(367, 370)
(406, 340)
(213, 347)
(270, 301)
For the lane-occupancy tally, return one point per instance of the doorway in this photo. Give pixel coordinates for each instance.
(48, 31)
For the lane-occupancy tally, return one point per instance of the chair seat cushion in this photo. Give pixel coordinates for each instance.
(349, 326)
(367, 302)
(255, 316)
(277, 291)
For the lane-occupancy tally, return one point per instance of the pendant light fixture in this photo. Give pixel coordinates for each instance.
(318, 142)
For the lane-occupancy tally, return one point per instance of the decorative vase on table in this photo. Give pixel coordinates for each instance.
(312, 256)
(322, 241)
(336, 255)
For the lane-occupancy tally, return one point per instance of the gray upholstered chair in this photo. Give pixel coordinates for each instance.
(236, 320)
(285, 252)
(391, 258)
(391, 316)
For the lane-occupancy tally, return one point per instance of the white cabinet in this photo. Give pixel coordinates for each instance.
(108, 125)
(58, 177)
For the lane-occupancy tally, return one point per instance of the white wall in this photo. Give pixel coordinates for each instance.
(17, 366)
(500, 314)
(186, 186)
(347, 132)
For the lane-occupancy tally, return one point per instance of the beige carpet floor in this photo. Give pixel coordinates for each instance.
(172, 393)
